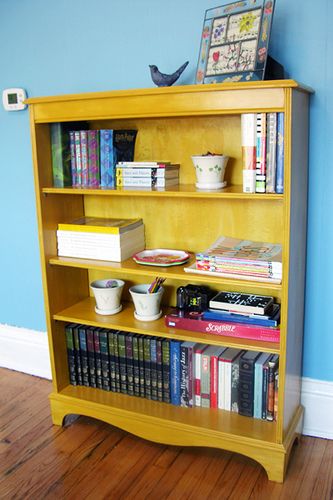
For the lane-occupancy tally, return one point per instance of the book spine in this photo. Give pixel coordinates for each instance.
(60, 155)
(227, 386)
(136, 369)
(261, 153)
(276, 393)
(98, 359)
(166, 370)
(112, 362)
(237, 330)
(214, 381)
(280, 154)
(77, 354)
(264, 391)
(122, 362)
(175, 372)
(84, 157)
(257, 403)
(116, 360)
(159, 369)
(129, 364)
(205, 380)
(84, 356)
(272, 366)
(141, 367)
(145, 181)
(71, 355)
(271, 153)
(153, 368)
(78, 159)
(105, 360)
(246, 320)
(234, 384)
(147, 173)
(248, 138)
(72, 159)
(107, 159)
(246, 388)
(197, 376)
(91, 357)
(221, 384)
(124, 144)
(93, 159)
(147, 365)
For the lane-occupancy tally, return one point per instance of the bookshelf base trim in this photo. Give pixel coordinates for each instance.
(272, 456)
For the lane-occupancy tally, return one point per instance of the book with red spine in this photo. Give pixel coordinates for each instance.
(193, 321)
(214, 376)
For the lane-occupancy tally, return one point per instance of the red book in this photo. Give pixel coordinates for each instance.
(193, 321)
(214, 376)
(198, 350)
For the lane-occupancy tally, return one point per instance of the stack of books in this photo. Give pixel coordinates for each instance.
(182, 373)
(87, 158)
(101, 238)
(147, 174)
(241, 259)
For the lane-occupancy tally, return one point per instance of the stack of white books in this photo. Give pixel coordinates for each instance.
(144, 174)
(101, 238)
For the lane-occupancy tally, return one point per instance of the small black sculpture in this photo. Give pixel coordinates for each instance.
(162, 80)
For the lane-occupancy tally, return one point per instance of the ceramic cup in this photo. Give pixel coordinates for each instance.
(107, 294)
(210, 170)
(147, 305)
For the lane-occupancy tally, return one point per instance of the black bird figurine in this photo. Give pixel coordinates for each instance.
(162, 80)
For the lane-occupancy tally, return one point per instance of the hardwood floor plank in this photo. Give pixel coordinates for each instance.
(323, 487)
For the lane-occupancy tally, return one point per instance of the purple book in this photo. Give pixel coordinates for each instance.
(93, 159)
(84, 158)
(78, 158)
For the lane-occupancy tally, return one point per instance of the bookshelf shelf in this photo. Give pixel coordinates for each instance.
(129, 267)
(83, 312)
(181, 191)
(175, 123)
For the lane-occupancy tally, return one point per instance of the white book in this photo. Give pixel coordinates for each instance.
(101, 239)
(221, 384)
(148, 172)
(112, 254)
(146, 182)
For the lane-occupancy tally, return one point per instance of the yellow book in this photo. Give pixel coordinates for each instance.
(100, 225)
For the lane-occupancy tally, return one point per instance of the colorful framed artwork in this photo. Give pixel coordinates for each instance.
(234, 42)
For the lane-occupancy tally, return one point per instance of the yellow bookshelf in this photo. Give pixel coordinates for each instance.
(175, 123)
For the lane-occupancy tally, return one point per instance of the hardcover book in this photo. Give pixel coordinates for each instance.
(153, 368)
(261, 153)
(273, 364)
(166, 370)
(116, 360)
(129, 363)
(241, 302)
(186, 374)
(77, 351)
(209, 376)
(91, 357)
(280, 154)
(246, 382)
(272, 319)
(147, 365)
(107, 160)
(98, 358)
(227, 357)
(258, 384)
(93, 159)
(124, 145)
(198, 350)
(72, 368)
(84, 158)
(136, 369)
(122, 362)
(159, 369)
(271, 152)
(84, 356)
(141, 367)
(78, 159)
(105, 360)
(175, 372)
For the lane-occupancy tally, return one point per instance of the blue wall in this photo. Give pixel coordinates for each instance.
(72, 46)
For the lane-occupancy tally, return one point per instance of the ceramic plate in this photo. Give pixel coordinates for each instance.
(161, 257)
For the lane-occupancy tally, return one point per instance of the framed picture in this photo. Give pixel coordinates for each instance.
(234, 42)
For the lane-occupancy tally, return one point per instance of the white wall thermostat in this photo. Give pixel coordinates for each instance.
(12, 99)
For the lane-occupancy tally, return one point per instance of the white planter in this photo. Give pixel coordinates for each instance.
(210, 170)
(147, 305)
(107, 295)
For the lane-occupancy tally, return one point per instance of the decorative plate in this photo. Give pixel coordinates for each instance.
(161, 257)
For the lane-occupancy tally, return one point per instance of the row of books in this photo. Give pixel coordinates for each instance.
(87, 158)
(241, 259)
(181, 373)
(100, 238)
(147, 174)
(263, 152)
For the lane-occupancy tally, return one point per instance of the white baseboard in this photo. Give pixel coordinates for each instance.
(317, 399)
(27, 351)
(24, 351)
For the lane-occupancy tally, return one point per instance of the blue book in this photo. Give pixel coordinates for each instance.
(258, 384)
(280, 154)
(217, 315)
(175, 372)
(107, 160)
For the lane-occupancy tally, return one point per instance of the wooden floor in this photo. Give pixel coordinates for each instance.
(89, 459)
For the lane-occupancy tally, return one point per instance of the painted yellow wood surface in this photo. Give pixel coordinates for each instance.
(173, 124)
